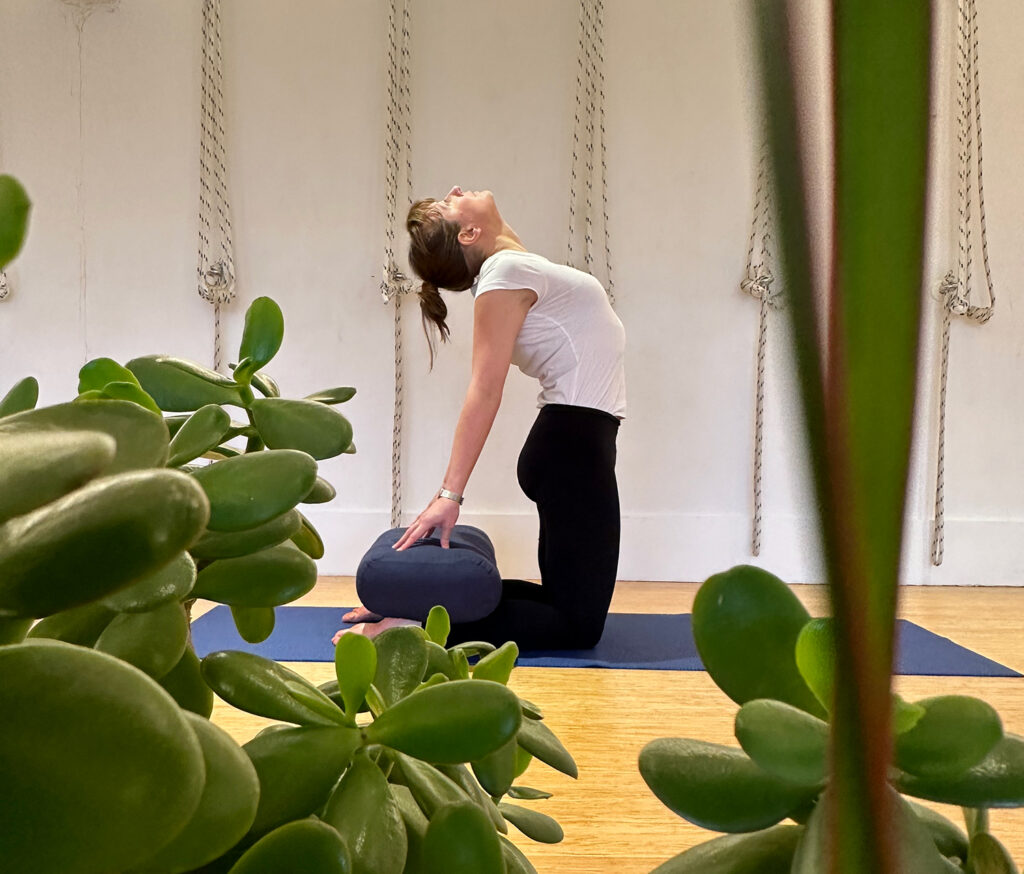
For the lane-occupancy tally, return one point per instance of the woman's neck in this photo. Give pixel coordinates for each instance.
(507, 239)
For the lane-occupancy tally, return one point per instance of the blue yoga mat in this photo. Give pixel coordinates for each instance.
(651, 641)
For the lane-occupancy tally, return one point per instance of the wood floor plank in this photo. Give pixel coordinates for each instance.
(613, 823)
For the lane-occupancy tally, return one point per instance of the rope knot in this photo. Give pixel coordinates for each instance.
(217, 283)
(5, 288)
(395, 282)
(955, 300)
(759, 286)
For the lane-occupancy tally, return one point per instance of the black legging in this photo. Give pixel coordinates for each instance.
(567, 467)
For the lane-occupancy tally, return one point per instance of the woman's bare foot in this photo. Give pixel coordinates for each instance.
(361, 614)
(372, 629)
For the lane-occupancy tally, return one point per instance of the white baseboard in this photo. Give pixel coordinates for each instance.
(690, 547)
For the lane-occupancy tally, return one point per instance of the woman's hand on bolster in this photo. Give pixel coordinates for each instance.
(441, 515)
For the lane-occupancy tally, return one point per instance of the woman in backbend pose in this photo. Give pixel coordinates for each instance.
(555, 323)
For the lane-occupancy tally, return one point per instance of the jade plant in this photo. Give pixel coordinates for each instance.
(823, 741)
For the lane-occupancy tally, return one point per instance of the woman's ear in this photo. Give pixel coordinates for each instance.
(469, 235)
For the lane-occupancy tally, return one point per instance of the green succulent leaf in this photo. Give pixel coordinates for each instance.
(988, 856)
(769, 851)
(14, 209)
(438, 625)
(243, 371)
(308, 539)
(439, 661)
(745, 624)
(266, 385)
(355, 663)
(497, 771)
(717, 787)
(172, 582)
(319, 846)
(460, 663)
(140, 436)
(525, 793)
(297, 769)
(232, 544)
(321, 493)
(784, 740)
(257, 685)
(955, 733)
(180, 386)
(464, 779)
(460, 721)
(948, 839)
(473, 648)
(540, 741)
(185, 684)
(431, 788)
(267, 578)
(367, 818)
(252, 489)
(263, 332)
(535, 825)
(201, 432)
(24, 395)
(226, 807)
(996, 781)
(79, 625)
(97, 540)
(13, 630)
(332, 395)
(461, 840)
(131, 392)
(531, 710)
(254, 624)
(905, 715)
(154, 641)
(497, 666)
(515, 861)
(401, 662)
(523, 760)
(104, 757)
(96, 374)
(305, 425)
(816, 658)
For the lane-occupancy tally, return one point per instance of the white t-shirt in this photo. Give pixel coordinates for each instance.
(571, 340)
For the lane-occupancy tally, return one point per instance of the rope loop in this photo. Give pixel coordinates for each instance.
(5, 288)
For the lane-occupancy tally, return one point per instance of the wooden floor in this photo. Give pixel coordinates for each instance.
(612, 822)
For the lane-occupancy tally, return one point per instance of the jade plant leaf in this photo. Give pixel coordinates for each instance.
(79, 625)
(13, 630)
(129, 778)
(497, 665)
(497, 771)
(462, 777)
(172, 582)
(14, 209)
(24, 395)
(438, 625)
(180, 386)
(321, 493)
(319, 846)
(525, 793)
(200, 433)
(461, 840)
(401, 662)
(905, 715)
(100, 372)
(185, 684)
(266, 384)
(988, 856)
(313, 428)
(439, 661)
(367, 818)
(955, 733)
(141, 436)
(717, 787)
(996, 781)
(226, 808)
(535, 825)
(255, 488)
(950, 840)
(232, 544)
(816, 659)
(415, 823)
(257, 685)
(263, 331)
(267, 578)
(764, 852)
(254, 624)
(515, 861)
(297, 769)
(784, 740)
(745, 624)
(459, 721)
(307, 538)
(355, 663)
(431, 788)
(540, 741)
(333, 395)
(97, 540)
(153, 641)
(128, 391)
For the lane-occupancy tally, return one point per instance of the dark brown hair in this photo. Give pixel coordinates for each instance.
(439, 259)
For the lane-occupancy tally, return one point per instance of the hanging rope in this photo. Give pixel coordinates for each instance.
(216, 267)
(955, 289)
(5, 286)
(588, 136)
(394, 283)
(758, 284)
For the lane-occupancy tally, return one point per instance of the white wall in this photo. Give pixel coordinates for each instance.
(104, 134)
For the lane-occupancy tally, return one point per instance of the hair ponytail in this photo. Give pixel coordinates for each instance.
(433, 312)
